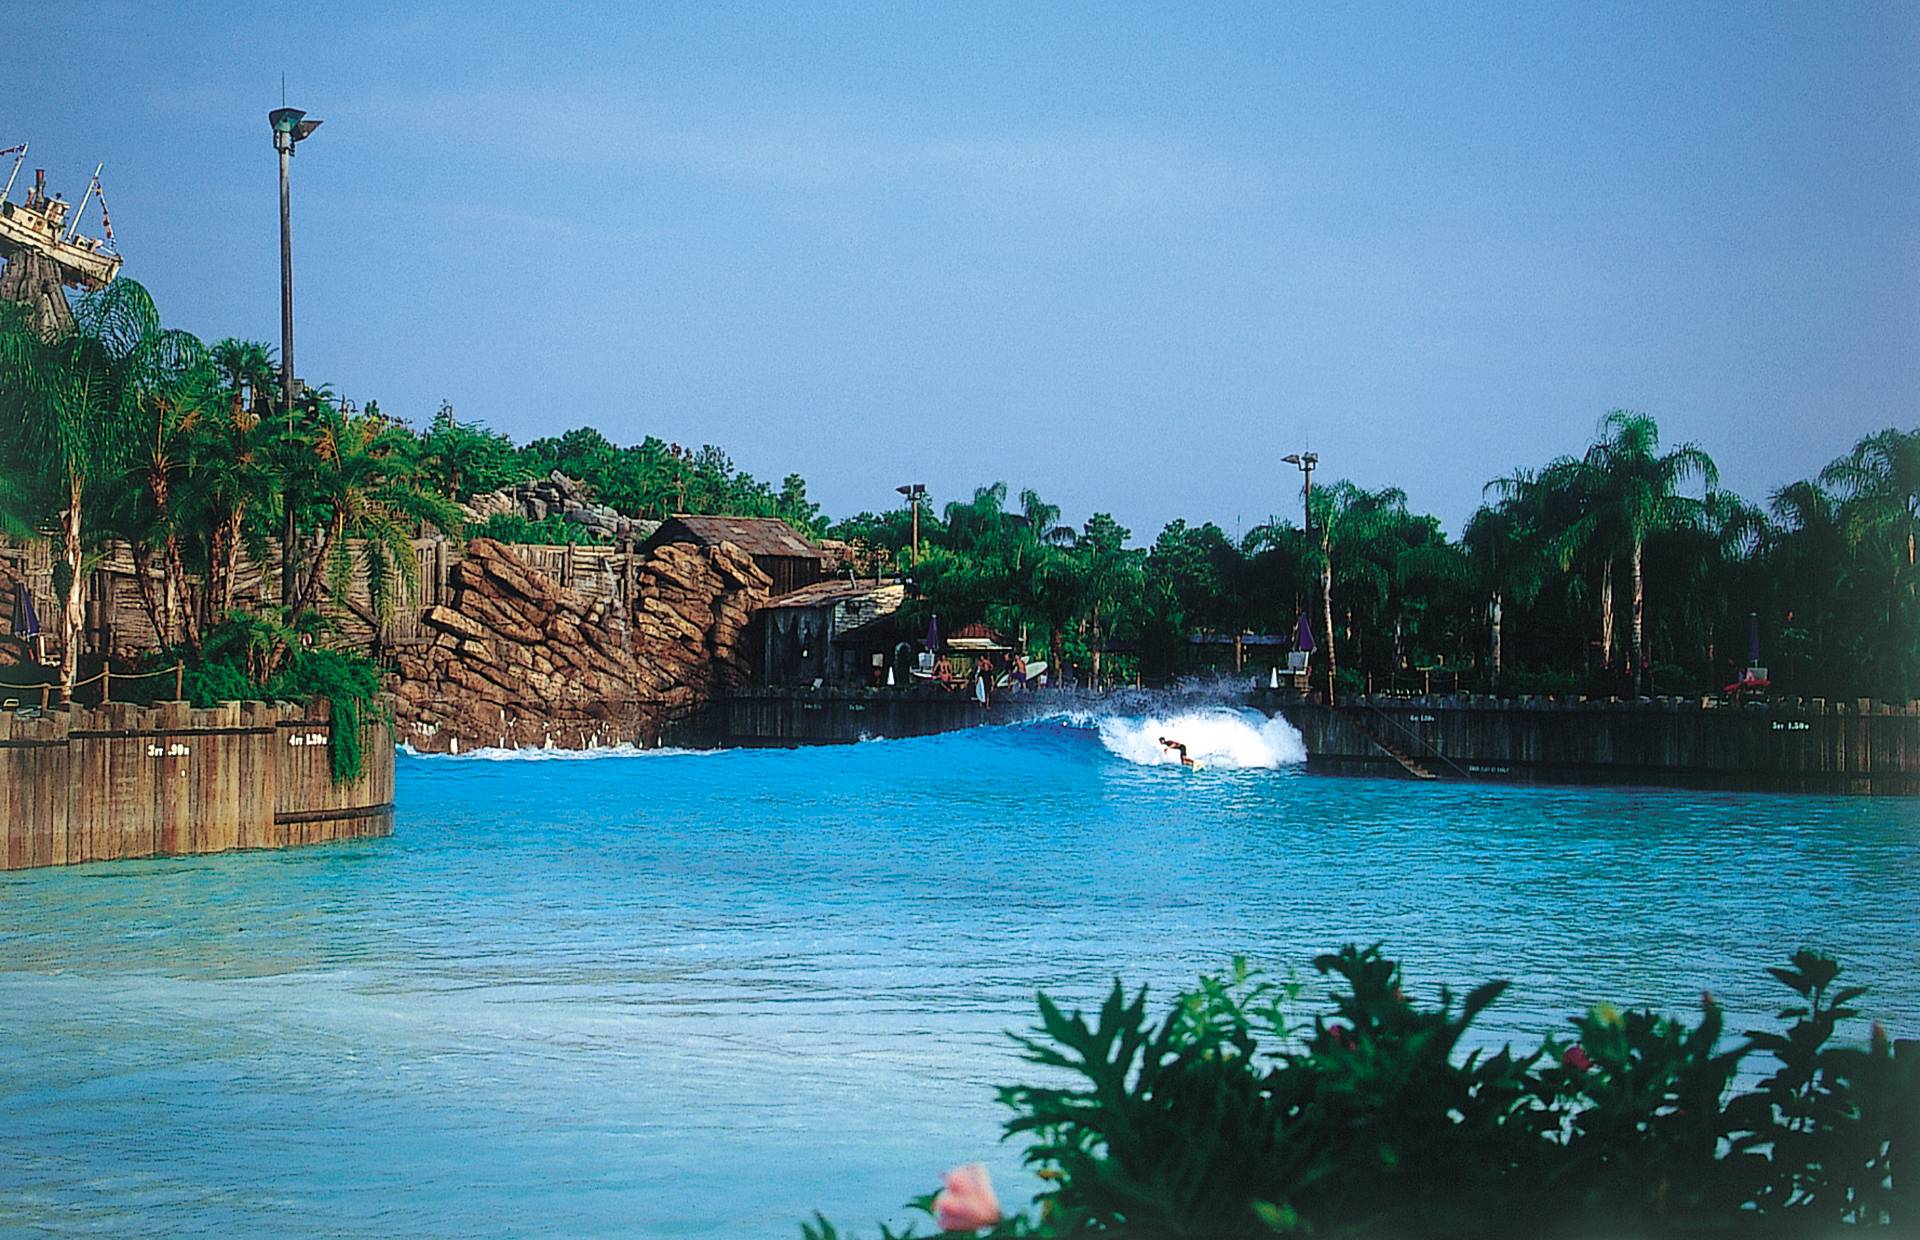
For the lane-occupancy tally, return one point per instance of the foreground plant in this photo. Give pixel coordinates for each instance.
(1223, 1120)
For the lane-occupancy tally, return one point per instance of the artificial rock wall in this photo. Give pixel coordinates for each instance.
(517, 659)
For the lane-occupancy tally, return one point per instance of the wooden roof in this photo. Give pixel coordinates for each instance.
(757, 536)
(840, 590)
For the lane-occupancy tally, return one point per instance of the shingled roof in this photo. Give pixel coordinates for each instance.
(757, 536)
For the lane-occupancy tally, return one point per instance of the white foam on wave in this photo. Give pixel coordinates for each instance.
(1217, 736)
(497, 753)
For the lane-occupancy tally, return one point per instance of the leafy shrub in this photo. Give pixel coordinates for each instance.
(1222, 1120)
(349, 682)
(264, 657)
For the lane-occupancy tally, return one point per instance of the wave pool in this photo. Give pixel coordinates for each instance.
(685, 995)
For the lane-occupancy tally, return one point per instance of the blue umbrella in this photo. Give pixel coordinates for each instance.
(933, 634)
(1303, 636)
(25, 622)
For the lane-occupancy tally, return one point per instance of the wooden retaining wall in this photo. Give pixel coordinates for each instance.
(1813, 745)
(126, 781)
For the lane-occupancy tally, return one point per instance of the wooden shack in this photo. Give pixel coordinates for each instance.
(818, 633)
(790, 559)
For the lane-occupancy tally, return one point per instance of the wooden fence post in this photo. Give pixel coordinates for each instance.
(179, 679)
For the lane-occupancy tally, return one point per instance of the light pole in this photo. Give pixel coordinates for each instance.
(915, 492)
(1306, 462)
(290, 126)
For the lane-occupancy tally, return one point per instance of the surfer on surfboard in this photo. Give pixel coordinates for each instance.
(1177, 747)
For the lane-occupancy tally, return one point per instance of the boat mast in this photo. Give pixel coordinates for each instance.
(85, 198)
(19, 154)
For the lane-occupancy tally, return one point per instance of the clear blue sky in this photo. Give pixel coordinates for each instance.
(1129, 255)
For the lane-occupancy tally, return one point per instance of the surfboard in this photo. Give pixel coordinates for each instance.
(1034, 670)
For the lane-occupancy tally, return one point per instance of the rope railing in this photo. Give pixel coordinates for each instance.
(105, 678)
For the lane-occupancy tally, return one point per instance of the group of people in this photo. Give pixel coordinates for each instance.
(984, 675)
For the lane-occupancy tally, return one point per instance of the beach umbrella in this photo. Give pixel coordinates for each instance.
(1303, 636)
(933, 634)
(25, 622)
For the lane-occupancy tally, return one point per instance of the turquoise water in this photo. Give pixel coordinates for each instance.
(700, 994)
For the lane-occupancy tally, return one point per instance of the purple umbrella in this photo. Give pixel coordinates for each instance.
(25, 622)
(933, 634)
(1303, 636)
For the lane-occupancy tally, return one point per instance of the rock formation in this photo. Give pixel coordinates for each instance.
(557, 495)
(517, 659)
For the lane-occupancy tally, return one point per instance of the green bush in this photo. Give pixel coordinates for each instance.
(262, 657)
(349, 681)
(1223, 1120)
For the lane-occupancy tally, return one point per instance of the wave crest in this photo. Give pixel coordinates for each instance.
(1217, 736)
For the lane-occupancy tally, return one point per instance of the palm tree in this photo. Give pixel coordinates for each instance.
(1354, 549)
(175, 393)
(1109, 576)
(368, 488)
(464, 459)
(1881, 479)
(1630, 491)
(75, 401)
(247, 372)
(1505, 554)
(234, 487)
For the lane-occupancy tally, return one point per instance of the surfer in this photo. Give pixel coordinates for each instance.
(1176, 747)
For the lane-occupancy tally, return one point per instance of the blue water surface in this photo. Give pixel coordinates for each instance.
(676, 995)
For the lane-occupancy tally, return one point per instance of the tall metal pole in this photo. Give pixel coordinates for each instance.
(1306, 461)
(915, 492)
(289, 532)
(290, 126)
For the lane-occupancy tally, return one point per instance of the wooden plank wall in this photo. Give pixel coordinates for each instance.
(125, 781)
(1809, 745)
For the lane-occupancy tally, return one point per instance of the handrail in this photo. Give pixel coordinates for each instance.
(1416, 738)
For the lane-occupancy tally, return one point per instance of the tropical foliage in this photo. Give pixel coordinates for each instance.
(1623, 569)
(1229, 1117)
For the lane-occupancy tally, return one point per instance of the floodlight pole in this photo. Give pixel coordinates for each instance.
(290, 126)
(914, 491)
(1306, 462)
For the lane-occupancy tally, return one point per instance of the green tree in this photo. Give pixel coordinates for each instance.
(1506, 554)
(464, 459)
(72, 406)
(1110, 576)
(1631, 491)
(1879, 486)
(368, 489)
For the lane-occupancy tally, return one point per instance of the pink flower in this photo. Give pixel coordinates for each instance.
(1576, 1058)
(1342, 1037)
(967, 1202)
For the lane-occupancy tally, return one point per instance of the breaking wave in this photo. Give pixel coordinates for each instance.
(1219, 736)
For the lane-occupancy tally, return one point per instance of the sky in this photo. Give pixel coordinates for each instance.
(1127, 255)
